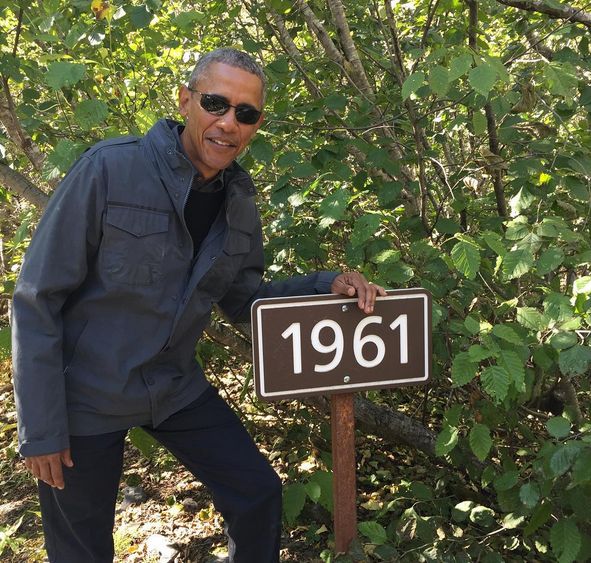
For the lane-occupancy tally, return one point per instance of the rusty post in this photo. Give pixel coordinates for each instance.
(343, 465)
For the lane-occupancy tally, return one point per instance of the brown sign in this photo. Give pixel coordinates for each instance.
(325, 344)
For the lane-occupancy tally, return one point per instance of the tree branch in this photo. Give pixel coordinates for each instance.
(555, 11)
(357, 71)
(15, 132)
(319, 30)
(491, 124)
(291, 49)
(21, 185)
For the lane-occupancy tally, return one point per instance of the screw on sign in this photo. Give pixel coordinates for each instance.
(323, 344)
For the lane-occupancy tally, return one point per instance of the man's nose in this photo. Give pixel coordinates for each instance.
(228, 121)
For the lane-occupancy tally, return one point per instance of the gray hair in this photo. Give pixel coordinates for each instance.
(231, 57)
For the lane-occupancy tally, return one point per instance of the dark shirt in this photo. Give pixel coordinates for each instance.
(203, 202)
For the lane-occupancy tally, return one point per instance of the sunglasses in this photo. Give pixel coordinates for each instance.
(218, 105)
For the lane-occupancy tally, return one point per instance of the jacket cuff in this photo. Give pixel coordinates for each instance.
(43, 447)
(324, 281)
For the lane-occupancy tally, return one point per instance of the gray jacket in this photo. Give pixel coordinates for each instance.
(110, 301)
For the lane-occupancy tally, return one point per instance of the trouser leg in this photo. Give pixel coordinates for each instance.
(209, 439)
(78, 520)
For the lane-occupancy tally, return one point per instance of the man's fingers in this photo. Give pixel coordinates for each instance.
(48, 468)
(57, 475)
(42, 470)
(352, 283)
(67, 458)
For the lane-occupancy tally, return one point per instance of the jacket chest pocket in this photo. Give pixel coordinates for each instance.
(134, 244)
(226, 267)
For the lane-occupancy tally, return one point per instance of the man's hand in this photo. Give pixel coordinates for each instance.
(48, 467)
(351, 283)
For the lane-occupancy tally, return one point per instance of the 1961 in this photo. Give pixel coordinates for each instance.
(337, 344)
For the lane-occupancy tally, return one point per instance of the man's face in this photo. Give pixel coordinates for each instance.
(214, 141)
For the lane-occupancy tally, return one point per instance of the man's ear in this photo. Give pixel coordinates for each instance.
(184, 98)
(260, 121)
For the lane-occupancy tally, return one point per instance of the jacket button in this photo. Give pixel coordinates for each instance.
(150, 380)
(174, 298)
(176, 195)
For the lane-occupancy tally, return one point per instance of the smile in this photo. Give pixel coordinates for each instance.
(221, 143)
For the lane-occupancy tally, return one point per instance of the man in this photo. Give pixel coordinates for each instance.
(139, 241)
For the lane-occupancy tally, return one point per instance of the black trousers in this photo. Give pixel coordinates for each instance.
(209, 439)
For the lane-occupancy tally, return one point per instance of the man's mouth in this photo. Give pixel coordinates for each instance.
(221, 142)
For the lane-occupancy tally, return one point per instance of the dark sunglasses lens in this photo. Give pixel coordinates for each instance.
(247, 115)
(214, 104)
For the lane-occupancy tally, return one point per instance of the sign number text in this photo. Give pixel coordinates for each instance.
(337, 342)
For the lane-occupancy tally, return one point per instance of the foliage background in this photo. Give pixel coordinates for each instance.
(434, 143)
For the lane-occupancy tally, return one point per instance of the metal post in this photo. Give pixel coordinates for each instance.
(343, 464)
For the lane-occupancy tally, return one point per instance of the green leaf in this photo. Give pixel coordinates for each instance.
(421, 491)
(336, 101)
(412, 84)
(477, 353)
(472, 324)
(506, 333)
(262, 150)
(439, 80)
(139, 16)
(495, 242)
(506, 481)
(313, 490)
(575, 360)
(529, 494)
(531, 318)
(562, 79)
(582, 285)
(517, 228)
(565, 540)
(482, 516)
(558, 427)
(374, 531)
(294, 498)
(90, 113)
(459, 66)
(563, 340)
(62, 73)
(461, 511)
(512, 521)
(562, 459)
(64, 154)
(145, 118)
(466, 258)
(480, 441)
(304, 170)
(365, 229)
(482, 78)
(463, 369)
(479, 123)
(582, 468)
(511, 362)
(143, 442)
(549, 260)
(446, 440)
(334, 207)
(324, 480)
(387, 256)
(557, 307)
(5, 342)
(517, 262)
(539, 517)
(495, 381)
